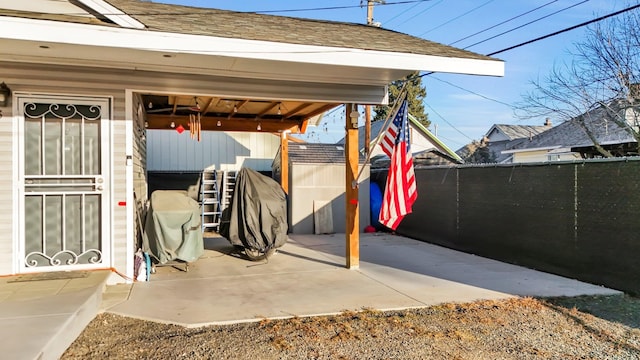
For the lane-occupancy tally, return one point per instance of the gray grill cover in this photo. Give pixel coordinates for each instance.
(257, 216)
(172, 230)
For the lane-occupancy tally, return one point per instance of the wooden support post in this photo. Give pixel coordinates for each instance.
(351, 187)
(367, 129)
(284, 161)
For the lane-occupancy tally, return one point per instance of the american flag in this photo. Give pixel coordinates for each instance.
(400, 192)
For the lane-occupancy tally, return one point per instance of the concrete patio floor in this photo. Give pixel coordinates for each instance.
(306, 277)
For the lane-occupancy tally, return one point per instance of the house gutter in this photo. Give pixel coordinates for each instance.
(513, 151)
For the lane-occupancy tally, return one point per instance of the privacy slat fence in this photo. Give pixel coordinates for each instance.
(580, 220)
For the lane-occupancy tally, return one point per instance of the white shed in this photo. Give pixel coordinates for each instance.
(316, 202)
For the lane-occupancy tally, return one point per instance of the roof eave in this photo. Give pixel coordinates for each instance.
(513, 151)
(441, 146)
(381, 65)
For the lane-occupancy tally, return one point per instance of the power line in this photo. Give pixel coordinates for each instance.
(551, 34)
(565, 30)
(338, 7)
(457, 17)
(199, 11)
(423, 11)
(449, 139)
(473, 92)
(520, 45)
(529, 23)
(402, 13)
(503, 22)
(445, 120)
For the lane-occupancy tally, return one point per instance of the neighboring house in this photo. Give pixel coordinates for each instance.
(569, 140)
(316, 175)
(500, 137)
(87, 81)
(426, 148)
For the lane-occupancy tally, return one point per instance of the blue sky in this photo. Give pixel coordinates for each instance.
(459, 115)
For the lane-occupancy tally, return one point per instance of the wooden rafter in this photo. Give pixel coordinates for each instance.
(320, 110)
(205, 109)
(297, 110)
(267, 109)
(236, 108)
(175, 105)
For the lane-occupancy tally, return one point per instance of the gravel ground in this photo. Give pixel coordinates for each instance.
(509, 329)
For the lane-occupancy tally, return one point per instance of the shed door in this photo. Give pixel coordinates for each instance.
(64, 178)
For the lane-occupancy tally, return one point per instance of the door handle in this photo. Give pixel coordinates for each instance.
(98, 184)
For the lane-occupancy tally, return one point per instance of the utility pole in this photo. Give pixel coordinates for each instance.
(370, 4)
(367, 108)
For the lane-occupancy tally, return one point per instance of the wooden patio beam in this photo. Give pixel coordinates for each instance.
(284, 161)
(351, 190)
(209, 123)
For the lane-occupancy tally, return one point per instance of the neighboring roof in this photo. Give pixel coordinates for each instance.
(570, 134)
(312, 153)
(513, 132)
(377, 128)
(430, 157)
(509, 137)
(440, 146)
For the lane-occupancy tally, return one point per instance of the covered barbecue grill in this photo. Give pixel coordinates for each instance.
(172, 230)
(257, 216)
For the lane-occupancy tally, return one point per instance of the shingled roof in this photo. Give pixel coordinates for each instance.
(315, 153)
(252, 26)
(570, 134)
(513, 132)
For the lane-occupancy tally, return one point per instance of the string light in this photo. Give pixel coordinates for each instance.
(173, 125)
(259, 127)
(219, 123)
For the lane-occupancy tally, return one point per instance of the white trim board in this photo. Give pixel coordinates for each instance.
(112, 13)
(229, 52)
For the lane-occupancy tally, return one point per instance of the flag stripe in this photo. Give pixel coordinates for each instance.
(400, 192)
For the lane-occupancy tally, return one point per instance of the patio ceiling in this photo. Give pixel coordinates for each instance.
(166, 112)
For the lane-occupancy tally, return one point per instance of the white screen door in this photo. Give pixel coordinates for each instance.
(64, 183)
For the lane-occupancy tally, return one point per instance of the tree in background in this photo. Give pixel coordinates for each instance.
(416, 93)
(604, 73)
(477, 152)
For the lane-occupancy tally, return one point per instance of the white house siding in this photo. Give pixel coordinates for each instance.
(170, 151)
(50, 80)
(6, 190)
(326, 182)
(119, 230)
(542, 156)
